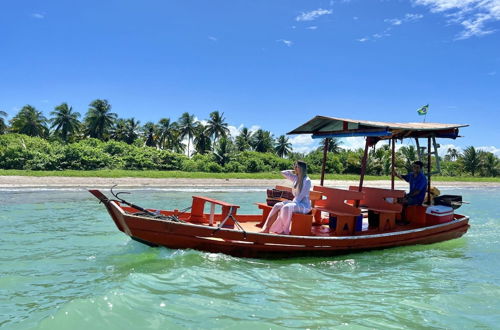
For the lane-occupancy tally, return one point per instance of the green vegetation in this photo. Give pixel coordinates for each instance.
(108, 146)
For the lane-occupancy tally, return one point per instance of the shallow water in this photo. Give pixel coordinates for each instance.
(64, 265)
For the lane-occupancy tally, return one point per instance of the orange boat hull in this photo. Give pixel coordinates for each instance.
(176, 235)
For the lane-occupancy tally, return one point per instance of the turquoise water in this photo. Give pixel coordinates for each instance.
(64, 265)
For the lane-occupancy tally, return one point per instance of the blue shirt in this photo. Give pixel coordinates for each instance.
(416, 183)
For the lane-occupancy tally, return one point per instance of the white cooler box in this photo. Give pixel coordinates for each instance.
(438, 214)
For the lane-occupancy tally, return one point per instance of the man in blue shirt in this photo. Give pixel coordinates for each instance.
(418, 184)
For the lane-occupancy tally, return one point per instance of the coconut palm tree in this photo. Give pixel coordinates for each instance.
(283, 147)
(187, 125)
(119, 130)
(243, 140)
(409, 154)
(223, 151)
(452, 154)
(176, 144)
(333, 145)
(131, 130)
(3, 125)
(65, 121)
(99, 120)
(489, 164)
(216, 126)
(202, 142)
(150, 134)
(262, 141)
(30, 121)
(471, 160)
(166, 132)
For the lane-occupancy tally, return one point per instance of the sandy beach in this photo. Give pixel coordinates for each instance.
(86, 182)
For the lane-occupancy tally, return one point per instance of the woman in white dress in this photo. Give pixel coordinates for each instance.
(279, 218)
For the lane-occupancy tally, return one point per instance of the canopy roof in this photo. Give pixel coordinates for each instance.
(326, 127)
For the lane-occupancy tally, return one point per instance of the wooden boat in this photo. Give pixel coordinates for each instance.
(342, 221)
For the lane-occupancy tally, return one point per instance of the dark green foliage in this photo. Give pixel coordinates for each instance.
(30, 121)
(18, 151)
(65, 122)
(99, 120)
(3, 125)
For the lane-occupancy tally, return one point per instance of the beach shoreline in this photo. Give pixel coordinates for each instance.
(96, 182)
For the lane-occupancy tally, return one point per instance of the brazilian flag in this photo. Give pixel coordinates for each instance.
(423, 110)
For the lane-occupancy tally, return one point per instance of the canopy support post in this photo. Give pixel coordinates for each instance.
(429, 170)
(393, 153)
(363, 166)
(325, 150)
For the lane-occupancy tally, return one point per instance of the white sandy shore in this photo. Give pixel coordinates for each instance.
(85, 182)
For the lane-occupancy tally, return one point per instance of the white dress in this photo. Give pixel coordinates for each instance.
(301, 203)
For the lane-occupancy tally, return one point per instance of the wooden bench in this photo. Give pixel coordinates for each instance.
(197, 211)
(301, 223)
(335, 204)
(375, 200)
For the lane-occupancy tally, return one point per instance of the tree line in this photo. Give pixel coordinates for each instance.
(103, 140)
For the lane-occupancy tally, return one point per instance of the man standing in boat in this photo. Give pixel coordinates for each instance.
(418, 184)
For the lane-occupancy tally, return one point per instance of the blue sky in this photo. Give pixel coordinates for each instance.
(272, 64)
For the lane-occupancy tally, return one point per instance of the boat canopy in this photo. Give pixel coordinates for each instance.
(331, 127)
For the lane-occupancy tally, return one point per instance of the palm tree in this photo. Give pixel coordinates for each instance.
(131, 130)
(30, 121)
(3, 125)
(187, 125)
(410, 155)
(243, 140)
(489, 164)
(471, 160)
(216, 126)
(452, 154)
(202, 142)
(119, 130)
(99, 120)
(262, 141)
(166, 132)
(223, 151)
(176, 144)
(150, 133)
(283, 147)
(65, 121)
(333, 145)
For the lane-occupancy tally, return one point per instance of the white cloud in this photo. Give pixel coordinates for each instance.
(38, 15)
(473, 15)
(494, 150)
(492, 73)
(406, 19)
(394, 22)
(303, 143)
(286, 42)
(235, 131)
(312, 15)
(212, 38)
(314, 27)
(355, 18)
(352, 143)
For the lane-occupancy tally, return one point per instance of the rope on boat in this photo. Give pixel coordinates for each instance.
(144, 212)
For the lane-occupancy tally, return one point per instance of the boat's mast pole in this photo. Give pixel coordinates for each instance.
(325, 150)
(429, 170)
(363, 166)
(392, 162)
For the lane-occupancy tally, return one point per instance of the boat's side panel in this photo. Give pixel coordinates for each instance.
(234, 242)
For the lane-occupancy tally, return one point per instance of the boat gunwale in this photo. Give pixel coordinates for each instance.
(319, 238)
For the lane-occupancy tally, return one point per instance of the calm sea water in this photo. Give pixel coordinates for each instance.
(64, 265)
